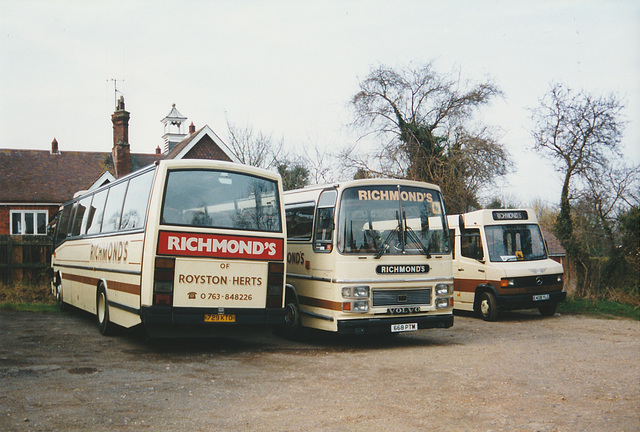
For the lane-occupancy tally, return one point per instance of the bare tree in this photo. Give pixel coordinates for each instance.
(582, 133)
(610, 192)
(297, 170)
(253, 148)
(322, 165)
(423, 121)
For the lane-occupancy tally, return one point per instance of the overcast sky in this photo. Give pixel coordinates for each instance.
(289, 68)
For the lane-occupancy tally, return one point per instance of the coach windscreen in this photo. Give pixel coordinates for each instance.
(219, 199)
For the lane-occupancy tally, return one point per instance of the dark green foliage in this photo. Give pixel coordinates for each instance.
(294, 175)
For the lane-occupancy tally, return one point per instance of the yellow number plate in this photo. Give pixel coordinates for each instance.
(219, 318)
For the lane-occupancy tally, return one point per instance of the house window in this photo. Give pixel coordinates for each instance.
(29, 222)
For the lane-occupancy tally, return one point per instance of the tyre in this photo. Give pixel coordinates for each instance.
(105, 326)
(62, 306)
(548, 310)
(292, 327)
(487, 307)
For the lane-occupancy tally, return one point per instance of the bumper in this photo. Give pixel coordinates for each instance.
(162, 321)
(526, 301)
(383, 325)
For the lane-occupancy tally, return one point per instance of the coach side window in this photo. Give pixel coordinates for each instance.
(135, 204)
(63, 224)
(95, 212)
(299, 222)
(323, 239)
(80, 215)
(113, 208)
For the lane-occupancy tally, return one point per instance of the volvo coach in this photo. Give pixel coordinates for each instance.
(368, 256)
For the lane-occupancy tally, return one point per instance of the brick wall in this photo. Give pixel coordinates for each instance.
(207, 149)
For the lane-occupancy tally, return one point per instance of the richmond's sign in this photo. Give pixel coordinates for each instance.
(220, 246)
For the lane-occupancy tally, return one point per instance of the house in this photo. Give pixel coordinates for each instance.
(34, 183)
(556, 251)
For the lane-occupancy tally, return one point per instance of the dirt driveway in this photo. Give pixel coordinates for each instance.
(524, 372)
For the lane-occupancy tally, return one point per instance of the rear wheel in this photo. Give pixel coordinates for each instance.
(59, 300)
(105, 326)
(548, 310)
(487, 307)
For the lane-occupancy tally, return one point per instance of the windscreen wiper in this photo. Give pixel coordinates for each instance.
(414, 237)
(385, 244)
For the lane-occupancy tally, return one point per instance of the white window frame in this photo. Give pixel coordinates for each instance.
(23, 224)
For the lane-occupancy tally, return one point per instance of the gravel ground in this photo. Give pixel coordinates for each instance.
(524, 373)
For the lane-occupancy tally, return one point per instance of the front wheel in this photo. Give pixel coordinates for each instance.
(488, 308)
(548, 310)
(292, 327)
(105, 326)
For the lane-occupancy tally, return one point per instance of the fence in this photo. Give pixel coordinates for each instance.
(25, 259)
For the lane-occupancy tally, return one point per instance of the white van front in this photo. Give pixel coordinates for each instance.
(501, 263)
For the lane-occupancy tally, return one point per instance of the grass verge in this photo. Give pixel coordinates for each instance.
(27, 297)
(599, 308)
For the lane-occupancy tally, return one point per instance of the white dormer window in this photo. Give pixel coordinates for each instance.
(29, 222)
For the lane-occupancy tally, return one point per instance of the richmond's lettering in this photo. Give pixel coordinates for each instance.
(213, 245)
(394, 195)
(109, 252)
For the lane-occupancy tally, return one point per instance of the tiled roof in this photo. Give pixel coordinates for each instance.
(33, 176)
(171, 154)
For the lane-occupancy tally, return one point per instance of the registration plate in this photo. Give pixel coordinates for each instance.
(541, 297)
(395, 328)
(219, 318)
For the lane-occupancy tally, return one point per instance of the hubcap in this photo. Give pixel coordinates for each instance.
(290, 315)
(484, 307)
(101, 308)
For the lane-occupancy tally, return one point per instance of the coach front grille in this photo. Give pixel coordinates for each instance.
(401, 297)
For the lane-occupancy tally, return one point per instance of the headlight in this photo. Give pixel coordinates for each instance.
(442, 289)
(507, 283)
(361, 291)
(442, 303)
(358, 306)
(559, 278)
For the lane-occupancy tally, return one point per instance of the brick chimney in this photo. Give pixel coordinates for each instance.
(54, 147)
(192, 129)
(120, 151)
